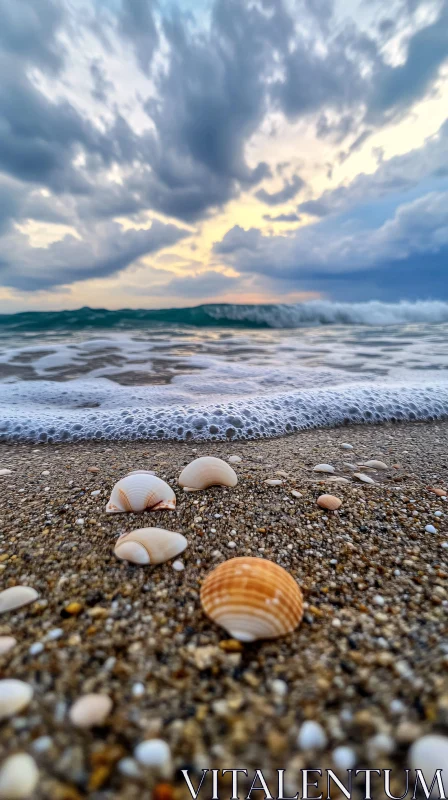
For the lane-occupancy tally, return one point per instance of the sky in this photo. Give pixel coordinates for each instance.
(159, 154)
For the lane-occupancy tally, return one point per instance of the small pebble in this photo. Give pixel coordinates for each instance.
(344, 757)
(90, 710)
(430, 529)
(16, 597)
(36, 648)
(311, 736)
(428, 754)
(18, 777)
(5, 471)
(279, 687)
(346, 446)
(129, 768)
(95, 493)
(153, 753)
(6, 644)
(273, 482)
(42, 744)
(234, 459)
(178, 565)
(379, 745)
(15, 695)
(138, 689)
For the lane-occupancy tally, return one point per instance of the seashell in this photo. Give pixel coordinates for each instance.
(362, 477)
(282, 473)
(234, 459)
(6, 644)
(337, 479)
(329, 501)
(16, 596)
(295, 493)
(138, 491)
(252, 598)
(323, 468)
(438, 491)
(14, 696)
(349, 465)
(429, 753)
(346, 446)
(430, 529)
(150, 546)
(18, 777)
(274, 482)
(90, 710)
(5, 471)
(374, 465)
(207, 471)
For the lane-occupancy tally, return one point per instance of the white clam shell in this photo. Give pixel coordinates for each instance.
(6, 644)
(374, 464)
(323, 468)
(90, 710)
(273, 482)
(16, 596)
(362, 477)
(139, 491)
(207, 471)
(18, 777)
(150, 545)
(14, 696)
(234, 459)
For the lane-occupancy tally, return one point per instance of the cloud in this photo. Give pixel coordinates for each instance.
(288, 192)
(282, 217)
(136, 21)
(103, 250)
(204, 284)
(416, 229)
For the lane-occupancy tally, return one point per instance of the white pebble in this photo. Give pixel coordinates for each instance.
(311, 736)
(232, 545)
(279, 687)
(344, 757)
(80, 521)
(95, 493)
(16, 597)
(90, 710)
(428, 754)
(444, 544)
(234, 459)
(378, 600)
(346, 446)
(138, 689)
(5, 471)
(178, 565)
(14, 696)
(42, 744)
(323, 468)
(18, 777)
(6, 644)
(56, 633)
(36, 648)
(129, 768)
(430, 529)
(438, 514)
(46, 472)
(397, 706)
(380, 744)
(153, 753)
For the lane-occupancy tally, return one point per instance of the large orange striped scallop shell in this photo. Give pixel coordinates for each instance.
(252, 598)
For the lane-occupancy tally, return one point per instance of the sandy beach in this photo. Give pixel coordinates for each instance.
(369, 662)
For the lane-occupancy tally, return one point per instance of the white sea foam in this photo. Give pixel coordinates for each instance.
(61, 412)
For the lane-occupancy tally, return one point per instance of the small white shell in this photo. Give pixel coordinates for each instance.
(18, 777)
(90, 710)
(362, 477)
(150, 546)
(207, 471)
(337, 479)
(323, 468)
(346, 446)
(138, 491)
(274, 482)
(16, 596)
(6, 644)
(234, 459)
(374, 465)
(5, 471)
(14, 696)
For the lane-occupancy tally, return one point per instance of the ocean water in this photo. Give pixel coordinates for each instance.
(220, 371)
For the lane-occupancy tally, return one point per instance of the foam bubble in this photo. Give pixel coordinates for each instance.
(55, 412)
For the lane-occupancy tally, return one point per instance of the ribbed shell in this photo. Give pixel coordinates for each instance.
(138, 491)
(252, 598)
(207, 471)
(150, 546)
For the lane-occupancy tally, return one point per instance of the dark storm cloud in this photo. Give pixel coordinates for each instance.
(136, 21)
(103, 250)
(288, 192)
(28, 31)
(395, 88)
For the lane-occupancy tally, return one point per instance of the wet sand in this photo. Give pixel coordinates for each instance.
(370, 657)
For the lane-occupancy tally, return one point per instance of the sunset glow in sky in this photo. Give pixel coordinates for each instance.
(157, 154)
